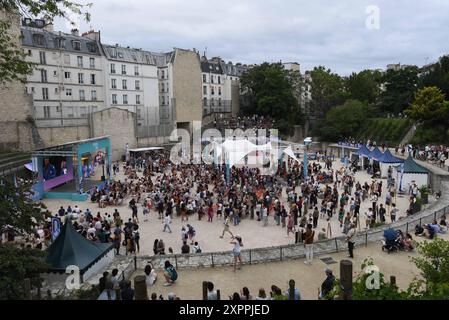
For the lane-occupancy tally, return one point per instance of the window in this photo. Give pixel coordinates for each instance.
(212, 79)
(38, 39)
(82, 95)
(91, 46)
(205, 102)
(204, 90)
(219, 102)
(114, 84)
(93, 95)
(76, 45)
(67, 75)
(82, 112)
(219, 91)
(163, 87)
(92, 63)
(163, 74)
(219, 80)
(79, 59)
(137, 84)
(123, 69)
(112, 68)
(47, 112)
(67, 59)
(44, 93)
(212, 90)
(32, 89)
(114, 99)
(204, 78)
(163, 100)
(70, 112)
(124, 85)
(55, 73)
(44, 75)
(137, 99)
(56, 90)
(68, 92)
(92, 79)
(42, 58)
(80, 78)
(125, 99)
(136, 70)
(60, 43)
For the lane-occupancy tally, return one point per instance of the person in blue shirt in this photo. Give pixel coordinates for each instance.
(297, 295)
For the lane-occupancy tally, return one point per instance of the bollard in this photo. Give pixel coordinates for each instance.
(205, 290)
(118, 295)
(218, 295)
(135, 263)
(140, 288)
(346, 279)
(28, 289)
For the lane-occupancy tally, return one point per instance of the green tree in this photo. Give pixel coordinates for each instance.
(399, 87)
(13, 66)
(268, 90)
(437, 76)
(429, 106)
(17, 208)
(364, 86)
(342, 121)
(16, 264)
(433, 263)
(327, 91)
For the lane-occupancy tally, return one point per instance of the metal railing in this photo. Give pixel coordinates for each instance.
(288, 252)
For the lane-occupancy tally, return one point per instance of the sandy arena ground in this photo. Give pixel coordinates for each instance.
(308, 278)
(254, 234)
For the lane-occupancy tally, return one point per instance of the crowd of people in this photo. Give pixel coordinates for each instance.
(297, 205)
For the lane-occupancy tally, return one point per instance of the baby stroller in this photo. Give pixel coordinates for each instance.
(391, 243)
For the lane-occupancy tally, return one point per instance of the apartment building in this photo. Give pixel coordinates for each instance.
(131, 82)
(67, 83)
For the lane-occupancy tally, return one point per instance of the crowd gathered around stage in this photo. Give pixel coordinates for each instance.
(154, 186)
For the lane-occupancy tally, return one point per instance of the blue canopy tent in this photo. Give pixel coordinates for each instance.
(388, 160)
(361, 156)
(374, 157)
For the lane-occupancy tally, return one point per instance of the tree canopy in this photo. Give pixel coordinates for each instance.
(327, 90)
(429, 106)
(268, 90)
(364, 86)
(399, 88)
(13, 66)
(343, 121)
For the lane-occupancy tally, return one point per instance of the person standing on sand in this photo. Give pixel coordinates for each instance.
(290, 224)
(226, 228)
(237, 242)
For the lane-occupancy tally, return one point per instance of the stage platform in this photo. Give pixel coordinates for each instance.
(68, 190)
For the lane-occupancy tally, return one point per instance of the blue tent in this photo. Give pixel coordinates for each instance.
(363, 151)
(387, 157)
(376, 154)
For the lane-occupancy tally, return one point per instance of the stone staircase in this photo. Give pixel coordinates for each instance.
(409, 135)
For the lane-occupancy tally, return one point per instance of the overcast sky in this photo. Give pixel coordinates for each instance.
(315, 32)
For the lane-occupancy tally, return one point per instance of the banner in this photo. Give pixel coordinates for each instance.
(55, 228)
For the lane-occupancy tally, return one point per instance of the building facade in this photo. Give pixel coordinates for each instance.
(67, 83)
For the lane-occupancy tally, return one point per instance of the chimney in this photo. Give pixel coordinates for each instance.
(74, 32)
(92, 35)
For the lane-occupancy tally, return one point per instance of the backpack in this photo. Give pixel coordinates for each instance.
(173, 273)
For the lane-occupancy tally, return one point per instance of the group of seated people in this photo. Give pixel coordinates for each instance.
(431, 230)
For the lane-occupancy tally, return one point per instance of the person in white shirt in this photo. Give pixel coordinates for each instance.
(167, 221)
(150, 274)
